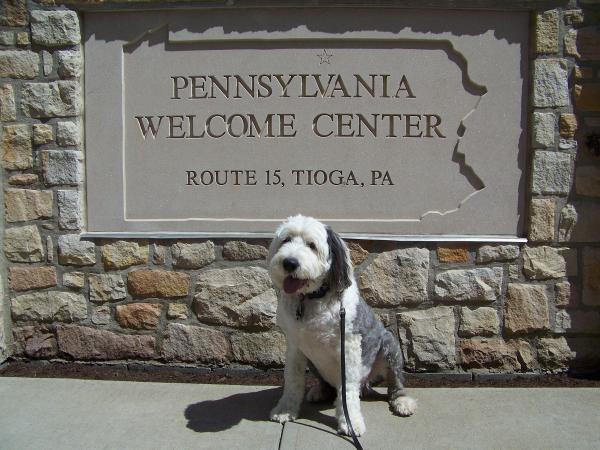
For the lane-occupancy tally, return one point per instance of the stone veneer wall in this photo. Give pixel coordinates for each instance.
(455, 308)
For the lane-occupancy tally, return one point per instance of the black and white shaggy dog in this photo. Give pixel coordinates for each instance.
(311, 266)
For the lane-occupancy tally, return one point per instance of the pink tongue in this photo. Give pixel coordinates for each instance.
(291, 285)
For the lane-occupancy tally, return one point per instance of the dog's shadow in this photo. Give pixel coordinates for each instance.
(211, 416)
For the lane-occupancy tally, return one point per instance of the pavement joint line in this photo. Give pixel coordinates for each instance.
(281, 436)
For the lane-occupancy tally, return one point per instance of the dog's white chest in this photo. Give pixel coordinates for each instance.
(324, 352)
(317, 335)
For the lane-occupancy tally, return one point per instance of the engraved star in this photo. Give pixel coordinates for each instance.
(325, 57)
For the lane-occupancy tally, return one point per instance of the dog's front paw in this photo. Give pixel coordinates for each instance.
(358, 425)
(403, 406)
(283, 414)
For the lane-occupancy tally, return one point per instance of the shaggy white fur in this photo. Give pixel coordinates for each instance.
(311, 267)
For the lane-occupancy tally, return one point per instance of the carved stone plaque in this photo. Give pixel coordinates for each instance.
(375, 121)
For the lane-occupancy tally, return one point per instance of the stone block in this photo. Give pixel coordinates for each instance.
(101, 315)
(8, 110)
(562, 321)
(587, 97)
(550, 83)
(526, 354)
(16, 147)
(192, 256)
(526, 308)
(236, 297)
(544, 263)
(177, 311)
(587, 181)
(54, 99)
(568, 125)
(68, 133)
(468, 285)
(497, 253)
(396, 278)
(159, 254)
(242, 251)
(551, 173)
(106, 287)
(543, 130)
(49, 245)
(23, 244)
(567, 222)
(591, 276)
(453, 254)
(554, 354)
(55, 28)
(49, 306)
(123, 254)
(158, 283)
(573, 17)
(25, 204)
(259, 349)
(565, 294)
(140, 316)
(7, 38)
(28, 278)
(195, 344)
(42, 133)
(546, 32)
(72, 251)
(492, 354)
(568, 145)
(358, 255)
(84, 343)
(70, 215)
(70, 63)
(427, 338)
(580, 222)
(23, 64)
(13, 13)
(478, 322)
(570, 43)
(34, 342)
(74, 280)
(23, 39)
(47, 62)
(23, 179)
(62, 167)
(514, 272)
(541, 219)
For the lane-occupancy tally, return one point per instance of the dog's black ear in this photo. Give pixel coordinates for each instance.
(340, 273)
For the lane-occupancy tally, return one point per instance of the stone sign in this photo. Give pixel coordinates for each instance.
(377, 121)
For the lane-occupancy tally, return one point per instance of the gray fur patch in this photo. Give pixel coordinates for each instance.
(371, 331)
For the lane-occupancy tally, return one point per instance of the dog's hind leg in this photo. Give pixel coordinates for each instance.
(322, 391)
(289, 404)
(400, 403)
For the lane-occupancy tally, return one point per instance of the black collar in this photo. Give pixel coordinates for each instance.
(319, 293)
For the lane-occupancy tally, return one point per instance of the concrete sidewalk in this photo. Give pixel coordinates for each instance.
(82, 414)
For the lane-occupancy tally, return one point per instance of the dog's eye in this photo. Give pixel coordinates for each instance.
(286, 240)
(312, 246)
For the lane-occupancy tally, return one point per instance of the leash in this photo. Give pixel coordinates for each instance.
(343, 363)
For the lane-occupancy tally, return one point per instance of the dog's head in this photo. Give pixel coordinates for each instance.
(305, 254)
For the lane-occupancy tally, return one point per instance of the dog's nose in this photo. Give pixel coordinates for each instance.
(290, 264)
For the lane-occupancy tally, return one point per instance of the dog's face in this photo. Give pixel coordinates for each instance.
(304, 254)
